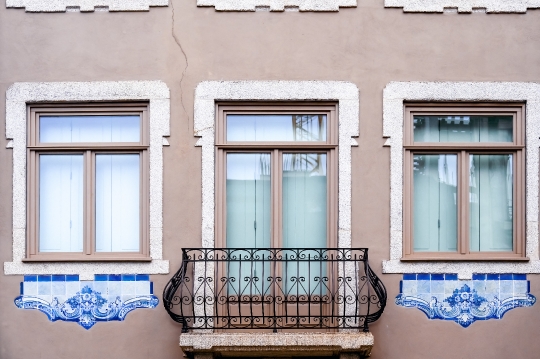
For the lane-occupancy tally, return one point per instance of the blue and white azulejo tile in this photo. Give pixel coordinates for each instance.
(486, 296)
(108, 297)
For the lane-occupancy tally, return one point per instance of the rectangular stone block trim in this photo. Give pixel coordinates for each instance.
(394, 95)
(84, 5)
(465, 6)
(17, 97)
(277, 5)
(344, 93)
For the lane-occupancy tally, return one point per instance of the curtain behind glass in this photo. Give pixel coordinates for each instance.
(276, 127)
(61, 203)
(491, 202)
(463, 128)
(89, 129)
(304, 204)
(435, 203)
(117, 203)
(248, 219)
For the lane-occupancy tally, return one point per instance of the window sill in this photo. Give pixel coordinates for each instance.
(464, 258)
(86, 259)
(86, 269)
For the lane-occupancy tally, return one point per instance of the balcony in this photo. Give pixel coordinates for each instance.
(281, 293)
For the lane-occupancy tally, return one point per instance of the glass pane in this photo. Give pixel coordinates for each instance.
(491, 202)
(61, 203)
(276, 128)
(435, 203)
(463, 128)
(117, 203)
(248, 218)
(248, 200)
(71, 129)
(304, 219)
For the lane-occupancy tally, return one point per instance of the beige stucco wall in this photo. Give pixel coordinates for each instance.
(368, 46)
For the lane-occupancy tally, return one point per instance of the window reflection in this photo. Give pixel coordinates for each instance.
(276, 128)
(463, 128)
(491, 202)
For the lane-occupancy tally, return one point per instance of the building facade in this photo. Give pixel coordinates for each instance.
(206, 178)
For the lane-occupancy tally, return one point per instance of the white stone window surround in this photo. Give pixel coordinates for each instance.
(464, 6)
(17, 97)
(393, 96)
(206, 95)
(345, 93)
(277, 5)
(84, 5)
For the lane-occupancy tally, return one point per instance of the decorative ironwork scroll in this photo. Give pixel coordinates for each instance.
(271, 288)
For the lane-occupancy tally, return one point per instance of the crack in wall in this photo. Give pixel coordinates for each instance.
(185, 57)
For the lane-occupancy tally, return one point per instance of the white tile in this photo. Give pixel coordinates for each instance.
(30, 288)
(58, 288)
(44, 288)
(72, 288)
(142, 288)
(520, 287)
(101, 287)
(115, 288)
(128, 287)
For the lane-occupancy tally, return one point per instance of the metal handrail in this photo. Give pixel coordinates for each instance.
(274, 288)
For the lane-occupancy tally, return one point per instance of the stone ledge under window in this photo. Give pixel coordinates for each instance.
(207, 345)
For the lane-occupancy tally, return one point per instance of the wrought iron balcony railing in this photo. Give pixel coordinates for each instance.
(262, 288)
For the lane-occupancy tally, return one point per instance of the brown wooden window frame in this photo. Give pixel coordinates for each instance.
(463, 149)
(276, 150)
(89, 151)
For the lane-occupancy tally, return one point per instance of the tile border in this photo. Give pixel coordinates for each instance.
(17, 97)
(485, 297)
(393, 96)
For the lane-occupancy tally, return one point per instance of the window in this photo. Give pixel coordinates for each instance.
(277, 170)
(88, 182)
(464, 179)
(277, 181)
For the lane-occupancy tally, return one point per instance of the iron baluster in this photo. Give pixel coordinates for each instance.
(210, 290)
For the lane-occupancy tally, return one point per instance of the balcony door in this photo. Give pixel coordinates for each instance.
(276, 208)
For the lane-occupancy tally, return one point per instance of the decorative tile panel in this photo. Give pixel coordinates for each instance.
(108, 297)
(486, 296)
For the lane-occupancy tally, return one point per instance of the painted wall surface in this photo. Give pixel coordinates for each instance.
(183, 45)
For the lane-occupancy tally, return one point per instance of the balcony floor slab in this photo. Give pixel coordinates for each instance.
(267, 345)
